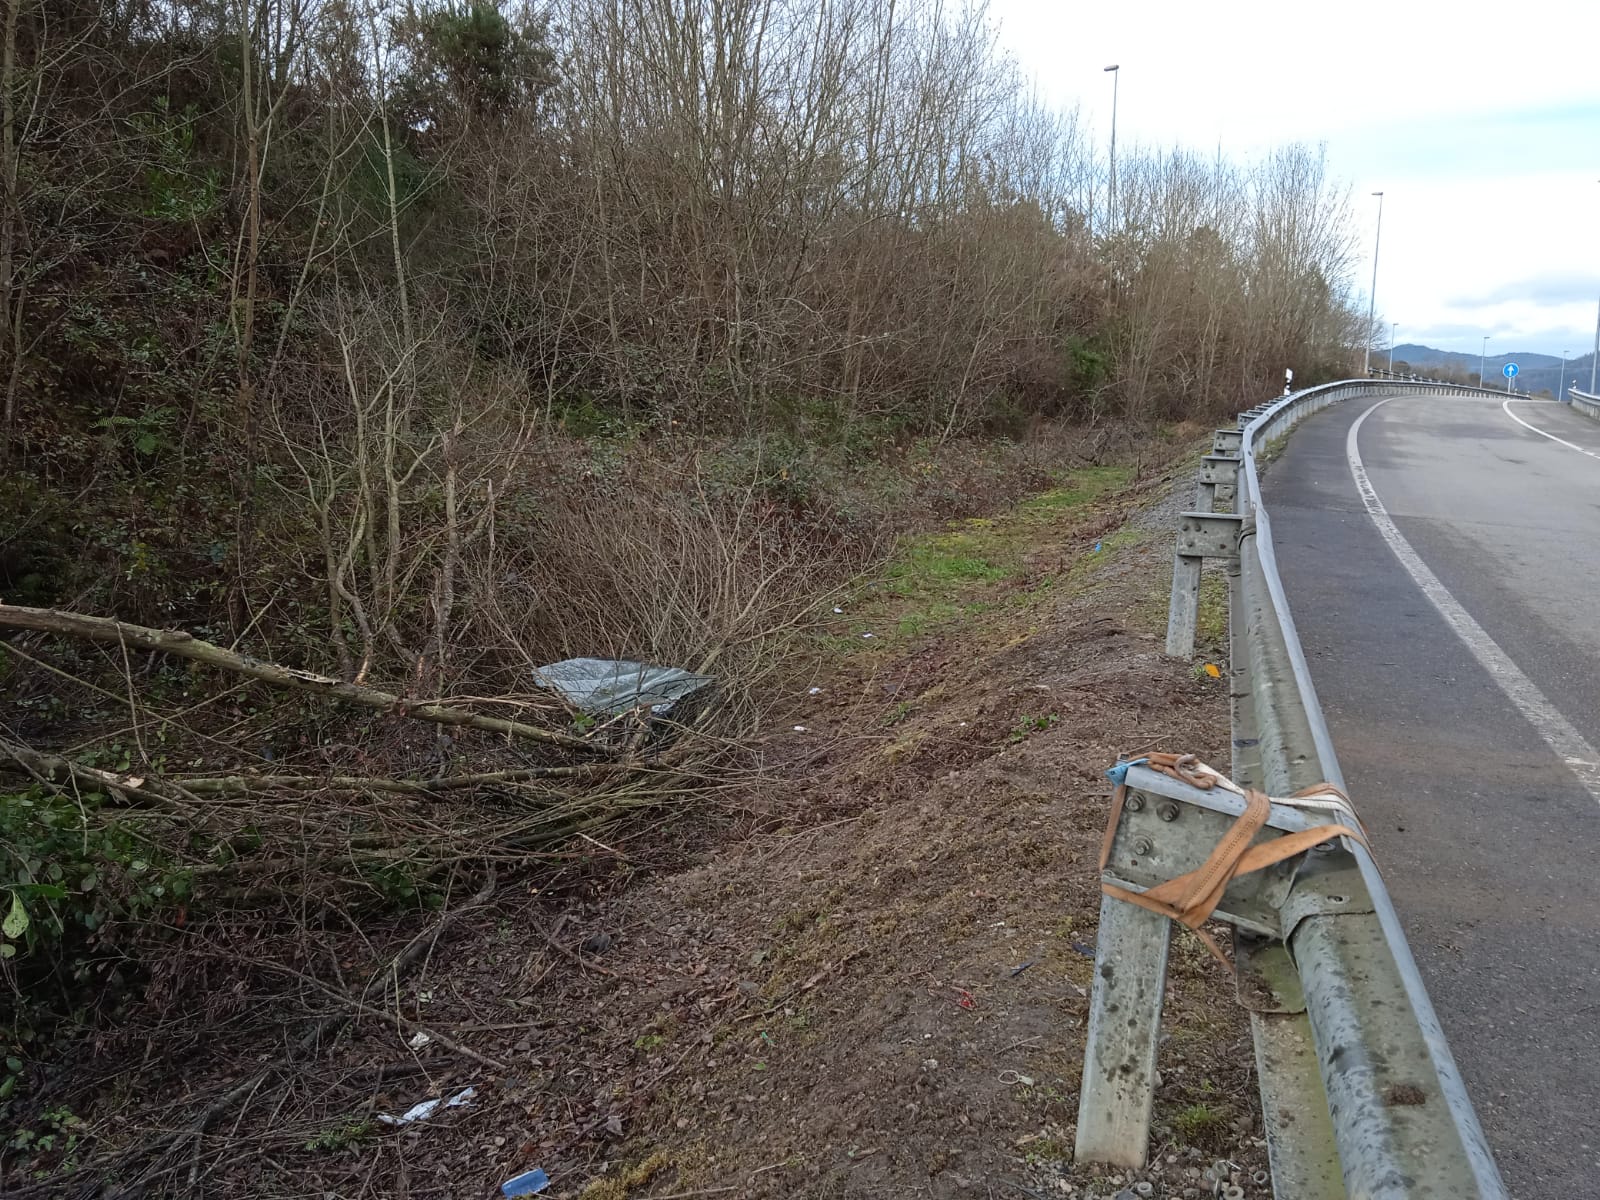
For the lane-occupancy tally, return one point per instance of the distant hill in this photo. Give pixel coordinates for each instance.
(1535, 372)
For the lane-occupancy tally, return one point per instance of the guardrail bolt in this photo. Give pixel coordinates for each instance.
(1135, 803)
(1143, 846)
(1168, 811)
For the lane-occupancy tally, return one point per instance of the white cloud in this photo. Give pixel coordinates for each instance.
(1486, 149)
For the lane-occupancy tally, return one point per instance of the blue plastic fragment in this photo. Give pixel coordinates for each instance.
(1097, 547)
(527, 1184)
(1119, 773)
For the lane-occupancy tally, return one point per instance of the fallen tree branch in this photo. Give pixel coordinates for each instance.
(186, 645)
(228, 784)
(54, 770)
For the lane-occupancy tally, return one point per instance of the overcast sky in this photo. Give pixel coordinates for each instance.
(1481, 125)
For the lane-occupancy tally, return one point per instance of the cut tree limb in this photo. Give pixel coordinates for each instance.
(53, 769)
(233, 784)
(185, 645)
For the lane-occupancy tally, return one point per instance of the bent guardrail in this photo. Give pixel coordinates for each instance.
(1360, 1094)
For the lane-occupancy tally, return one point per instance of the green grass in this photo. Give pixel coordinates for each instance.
(933, 564)
(1201, 1125)
(1211, 616)
(1082, 486)
(982, 565)
(1031, 725)
(339, 1135)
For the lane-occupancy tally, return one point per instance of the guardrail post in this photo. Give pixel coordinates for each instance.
(1218, 483)
(1201, 535)
(1183, 609)
(1119, 1063)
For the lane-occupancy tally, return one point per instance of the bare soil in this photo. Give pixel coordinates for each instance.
(866, 976)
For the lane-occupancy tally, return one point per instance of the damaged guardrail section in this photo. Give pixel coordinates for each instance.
(1360, 1095)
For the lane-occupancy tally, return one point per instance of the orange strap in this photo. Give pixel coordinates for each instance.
(1191, 898)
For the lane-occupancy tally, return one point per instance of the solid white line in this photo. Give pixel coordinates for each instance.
(1506, 408)
(1557, 732)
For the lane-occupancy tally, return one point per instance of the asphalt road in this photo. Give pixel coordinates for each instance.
(1488, 836)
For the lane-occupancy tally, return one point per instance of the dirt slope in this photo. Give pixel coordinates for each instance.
(879, 986)
(875, 980)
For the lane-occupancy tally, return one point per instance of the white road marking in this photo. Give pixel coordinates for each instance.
(1557, 732)
(1506, 408)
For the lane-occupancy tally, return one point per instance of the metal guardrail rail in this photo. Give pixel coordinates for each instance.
(1360, 1094)
(1584, 403)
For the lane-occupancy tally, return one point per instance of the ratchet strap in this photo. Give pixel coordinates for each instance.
(1191, 898)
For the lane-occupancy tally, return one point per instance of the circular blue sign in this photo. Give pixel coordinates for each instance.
(1510, 370)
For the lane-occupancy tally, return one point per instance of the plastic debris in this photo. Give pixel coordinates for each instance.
(867, 635)
(1213, 670)
(1084, 949)
(816, 691)
(837, 611)
(419, 1040)
(1015, 971)
(612, 685)
(1119, 773)
(1097, 547)
(529, 1183)
(426, 1109)
(799, 728)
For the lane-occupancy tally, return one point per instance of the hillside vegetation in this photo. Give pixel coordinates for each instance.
(405, 348)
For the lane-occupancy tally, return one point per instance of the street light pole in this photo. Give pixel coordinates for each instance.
(1394, 329)
(1483, 358)
(1561, 388)
(1596, 358)
(1111, 199)
(1372, 299)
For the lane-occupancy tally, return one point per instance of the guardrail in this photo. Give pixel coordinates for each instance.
(1584, 403)
(1407, 377)
(1360, 1094)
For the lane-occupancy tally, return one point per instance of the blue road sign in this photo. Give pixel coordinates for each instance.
(1509, 370)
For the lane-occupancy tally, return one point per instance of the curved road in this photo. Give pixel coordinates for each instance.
(1442, 562)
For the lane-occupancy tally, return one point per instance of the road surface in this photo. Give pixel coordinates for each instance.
(1450, 613)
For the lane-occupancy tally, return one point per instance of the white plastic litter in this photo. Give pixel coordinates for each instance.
(814, 692)
(613, 685)
(426, 1109)
(799, 728)
(419, 1040)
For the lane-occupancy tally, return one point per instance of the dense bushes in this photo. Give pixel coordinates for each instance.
(425, 345)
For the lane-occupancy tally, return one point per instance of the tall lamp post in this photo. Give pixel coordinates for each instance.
(1596, 357)
(1111, 200)
(1372, 299)
(1561, 388)
(1393, 329)
(1483, 358)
